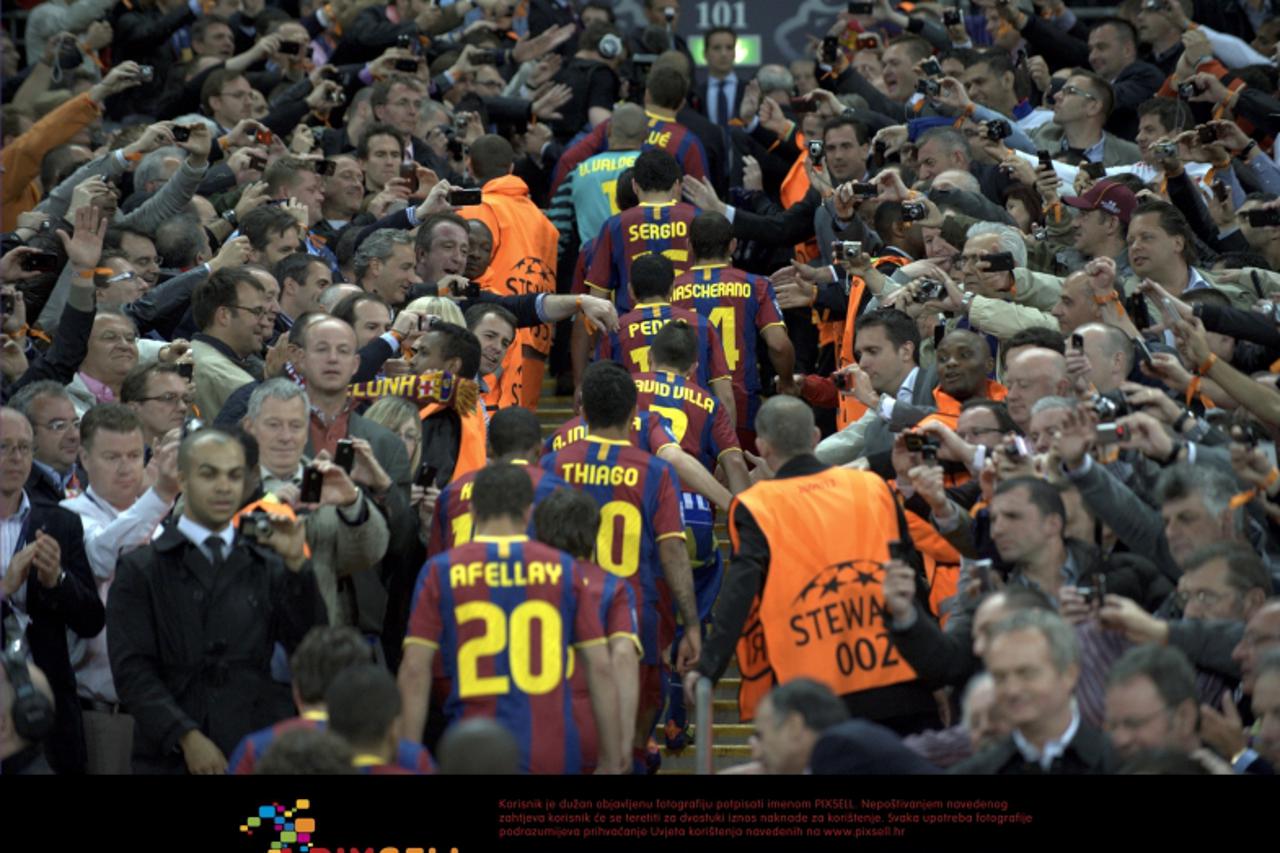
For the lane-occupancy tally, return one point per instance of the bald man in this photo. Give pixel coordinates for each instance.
(1108, 352)
(793, 531)
(1076, 305)
(1031, 374)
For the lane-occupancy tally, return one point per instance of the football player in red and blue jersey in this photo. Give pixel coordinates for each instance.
(705, 432)
(742, 307)
(515, 438)
(641, 535)
(364, 707)
(322, 654)
(664, 93)
(503, 613)
(658, 225)
(570, 520)
(651, 279)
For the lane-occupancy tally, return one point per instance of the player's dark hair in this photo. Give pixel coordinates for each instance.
(501, 490)
(514, 430)
(676, 346)
(652, 277)
(608, 395)
(569, 520)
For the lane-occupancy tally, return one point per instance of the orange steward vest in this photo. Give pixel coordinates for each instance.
(472, 455)
(821, 610)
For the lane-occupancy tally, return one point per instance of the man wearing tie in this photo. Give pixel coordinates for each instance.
(722, 94)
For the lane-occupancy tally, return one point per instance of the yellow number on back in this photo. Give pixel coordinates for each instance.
(520, 660)
(461, 529)
(627, 562)
(726, 322)
(676, 419)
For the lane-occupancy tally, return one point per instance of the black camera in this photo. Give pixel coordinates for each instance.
(8, 302)
(929, 290)
(999, 129)
(255, 526)
(192, 423)
(1165, 149)
(931, 67)
(181, 133)
(918, 442)
(951, 17)
(289, 48)
(186, 370)
(485, 57)
(862, 189)
(39, 262)
(841, 381)
(344, 455)
(928, 87)
(404, 40)
(1263, 218)
(1188, 90)
(914, 211)
(816, 150)
(146, 73)
(408, 65)
(471, 291)
(464, 197)
(830, 50)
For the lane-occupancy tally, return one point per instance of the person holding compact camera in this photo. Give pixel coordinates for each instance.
(194, 616)
(345, 533)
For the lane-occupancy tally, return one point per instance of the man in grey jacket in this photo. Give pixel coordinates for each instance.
(345, 533)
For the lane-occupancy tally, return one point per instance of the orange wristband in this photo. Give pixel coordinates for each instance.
(1193, 388)
(1207, 364)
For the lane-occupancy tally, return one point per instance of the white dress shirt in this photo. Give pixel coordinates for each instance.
(109, 534)
(10, 538)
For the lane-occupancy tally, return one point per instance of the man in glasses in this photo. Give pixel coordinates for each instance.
(227, 309)
(1080, 110)
(46, 586)
(160, 397)
(53, 474)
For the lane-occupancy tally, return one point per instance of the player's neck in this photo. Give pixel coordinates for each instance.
(652, 198)
(618, 433)
(711, 262)
(505, 526)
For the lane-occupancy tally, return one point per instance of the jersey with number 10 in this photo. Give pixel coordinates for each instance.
(631, 345)
(504, 613)
(740, 305)
(646, 229)
(639, 499)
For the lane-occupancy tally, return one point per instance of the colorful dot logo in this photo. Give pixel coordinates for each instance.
(292, 834)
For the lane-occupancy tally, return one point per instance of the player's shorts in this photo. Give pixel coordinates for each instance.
(704, 550)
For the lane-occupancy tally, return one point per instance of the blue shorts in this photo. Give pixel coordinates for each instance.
(704, 551)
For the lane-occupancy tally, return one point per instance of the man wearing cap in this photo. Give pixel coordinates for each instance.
(1103, 223)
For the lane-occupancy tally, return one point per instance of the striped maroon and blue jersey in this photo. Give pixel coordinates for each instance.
(631, 345)
(639, 499)
(665, 134)
(504, 613)
(616, 602)
(648, 432)
(451, 525)
(642, 230)
(740, 305)
(693, 414)
(410, 757)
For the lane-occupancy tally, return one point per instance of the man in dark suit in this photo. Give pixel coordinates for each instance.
(47, 586)
(1033, 656)
(1113, 54)
(194, 617)
(720, 95)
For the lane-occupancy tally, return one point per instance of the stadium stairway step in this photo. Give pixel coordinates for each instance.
(730, 735)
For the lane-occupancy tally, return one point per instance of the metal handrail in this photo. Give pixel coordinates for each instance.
(704, 709)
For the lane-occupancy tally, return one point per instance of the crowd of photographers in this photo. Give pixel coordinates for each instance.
(306, 265)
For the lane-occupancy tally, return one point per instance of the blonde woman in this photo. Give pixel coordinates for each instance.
(438, 306)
